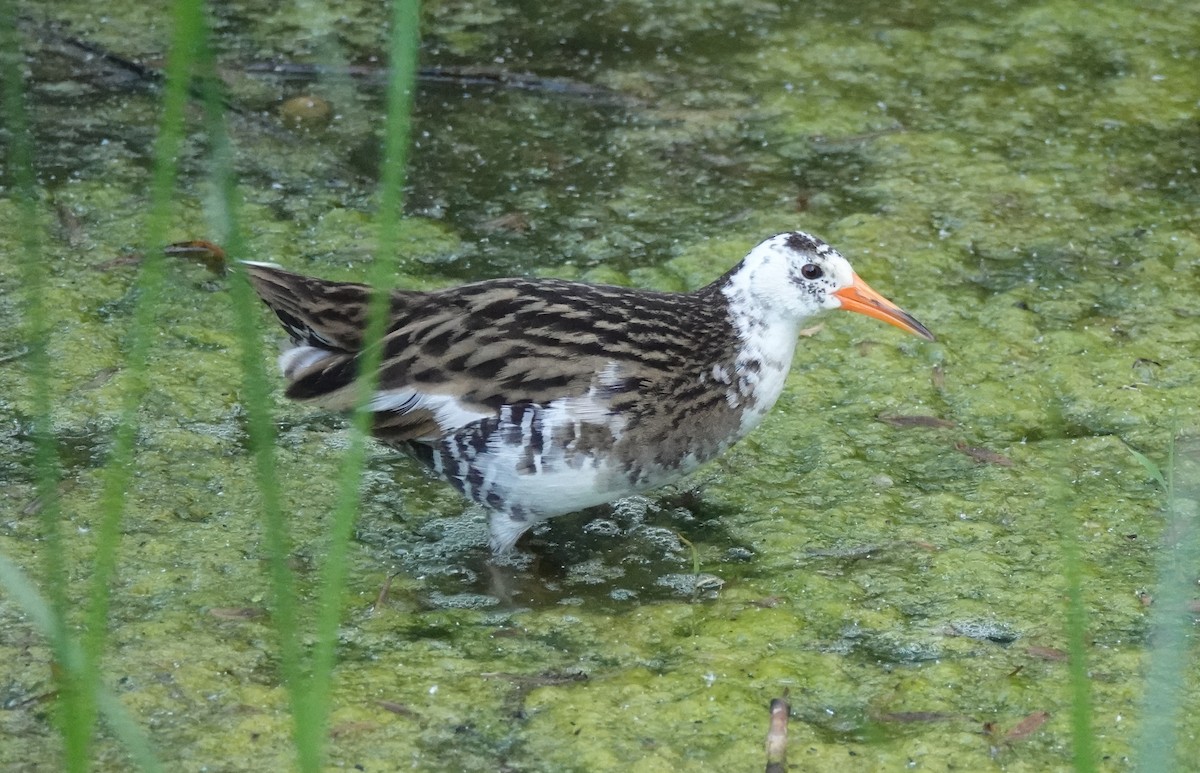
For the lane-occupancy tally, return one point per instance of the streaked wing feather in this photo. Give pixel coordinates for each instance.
(458, 355)
(315, 312)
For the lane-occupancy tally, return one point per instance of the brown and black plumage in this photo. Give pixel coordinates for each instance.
(537, 397)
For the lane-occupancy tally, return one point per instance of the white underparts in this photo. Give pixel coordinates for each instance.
(768, 341)
(449, 412)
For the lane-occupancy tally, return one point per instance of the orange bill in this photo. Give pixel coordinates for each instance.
(861, 298)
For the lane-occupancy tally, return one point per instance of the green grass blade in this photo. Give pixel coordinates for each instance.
(1082, 740)
(402, 54)
(37, 322)
(1172, 630)
(1152, 469)
(72, 715)
(256, 389)
(1061, 502)
(68, 654)
(118, 472)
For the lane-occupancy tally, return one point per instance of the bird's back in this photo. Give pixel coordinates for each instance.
(455, 356)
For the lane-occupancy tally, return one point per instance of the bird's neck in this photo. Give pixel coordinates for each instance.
(766, 341)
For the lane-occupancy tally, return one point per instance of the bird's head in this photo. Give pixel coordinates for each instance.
(798, 276)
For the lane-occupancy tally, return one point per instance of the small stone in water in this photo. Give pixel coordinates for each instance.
(306, 112)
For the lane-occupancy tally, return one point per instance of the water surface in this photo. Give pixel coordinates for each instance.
(1020, 176)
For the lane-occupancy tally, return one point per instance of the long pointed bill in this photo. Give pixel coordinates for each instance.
(861, 298)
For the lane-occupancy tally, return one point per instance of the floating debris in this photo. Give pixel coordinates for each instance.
(1023, 729)
(777, 736)
(902, 421)
(983, 455)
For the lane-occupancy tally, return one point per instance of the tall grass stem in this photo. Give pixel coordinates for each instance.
(1172, 628)
(402, 55)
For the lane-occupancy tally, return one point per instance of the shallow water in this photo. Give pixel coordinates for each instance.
(1021, 177)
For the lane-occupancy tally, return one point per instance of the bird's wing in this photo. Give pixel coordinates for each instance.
(455, 356)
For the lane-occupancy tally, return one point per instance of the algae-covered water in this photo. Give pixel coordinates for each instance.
(886, 550)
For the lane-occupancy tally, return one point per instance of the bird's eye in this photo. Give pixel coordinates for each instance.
(811, 271)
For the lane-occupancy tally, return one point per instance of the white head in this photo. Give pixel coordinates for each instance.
(794, 276)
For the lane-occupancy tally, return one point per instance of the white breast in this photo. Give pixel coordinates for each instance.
(768, 342)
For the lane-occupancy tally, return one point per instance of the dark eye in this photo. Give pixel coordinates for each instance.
(812, 271)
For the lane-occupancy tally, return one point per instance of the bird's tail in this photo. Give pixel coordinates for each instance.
(314, 312)
(326, 321)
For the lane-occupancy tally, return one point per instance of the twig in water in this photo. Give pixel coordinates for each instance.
(777, 735)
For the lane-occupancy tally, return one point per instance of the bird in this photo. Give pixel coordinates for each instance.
(540, 397)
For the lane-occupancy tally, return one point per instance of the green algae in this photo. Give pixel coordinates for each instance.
(1020, 177)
